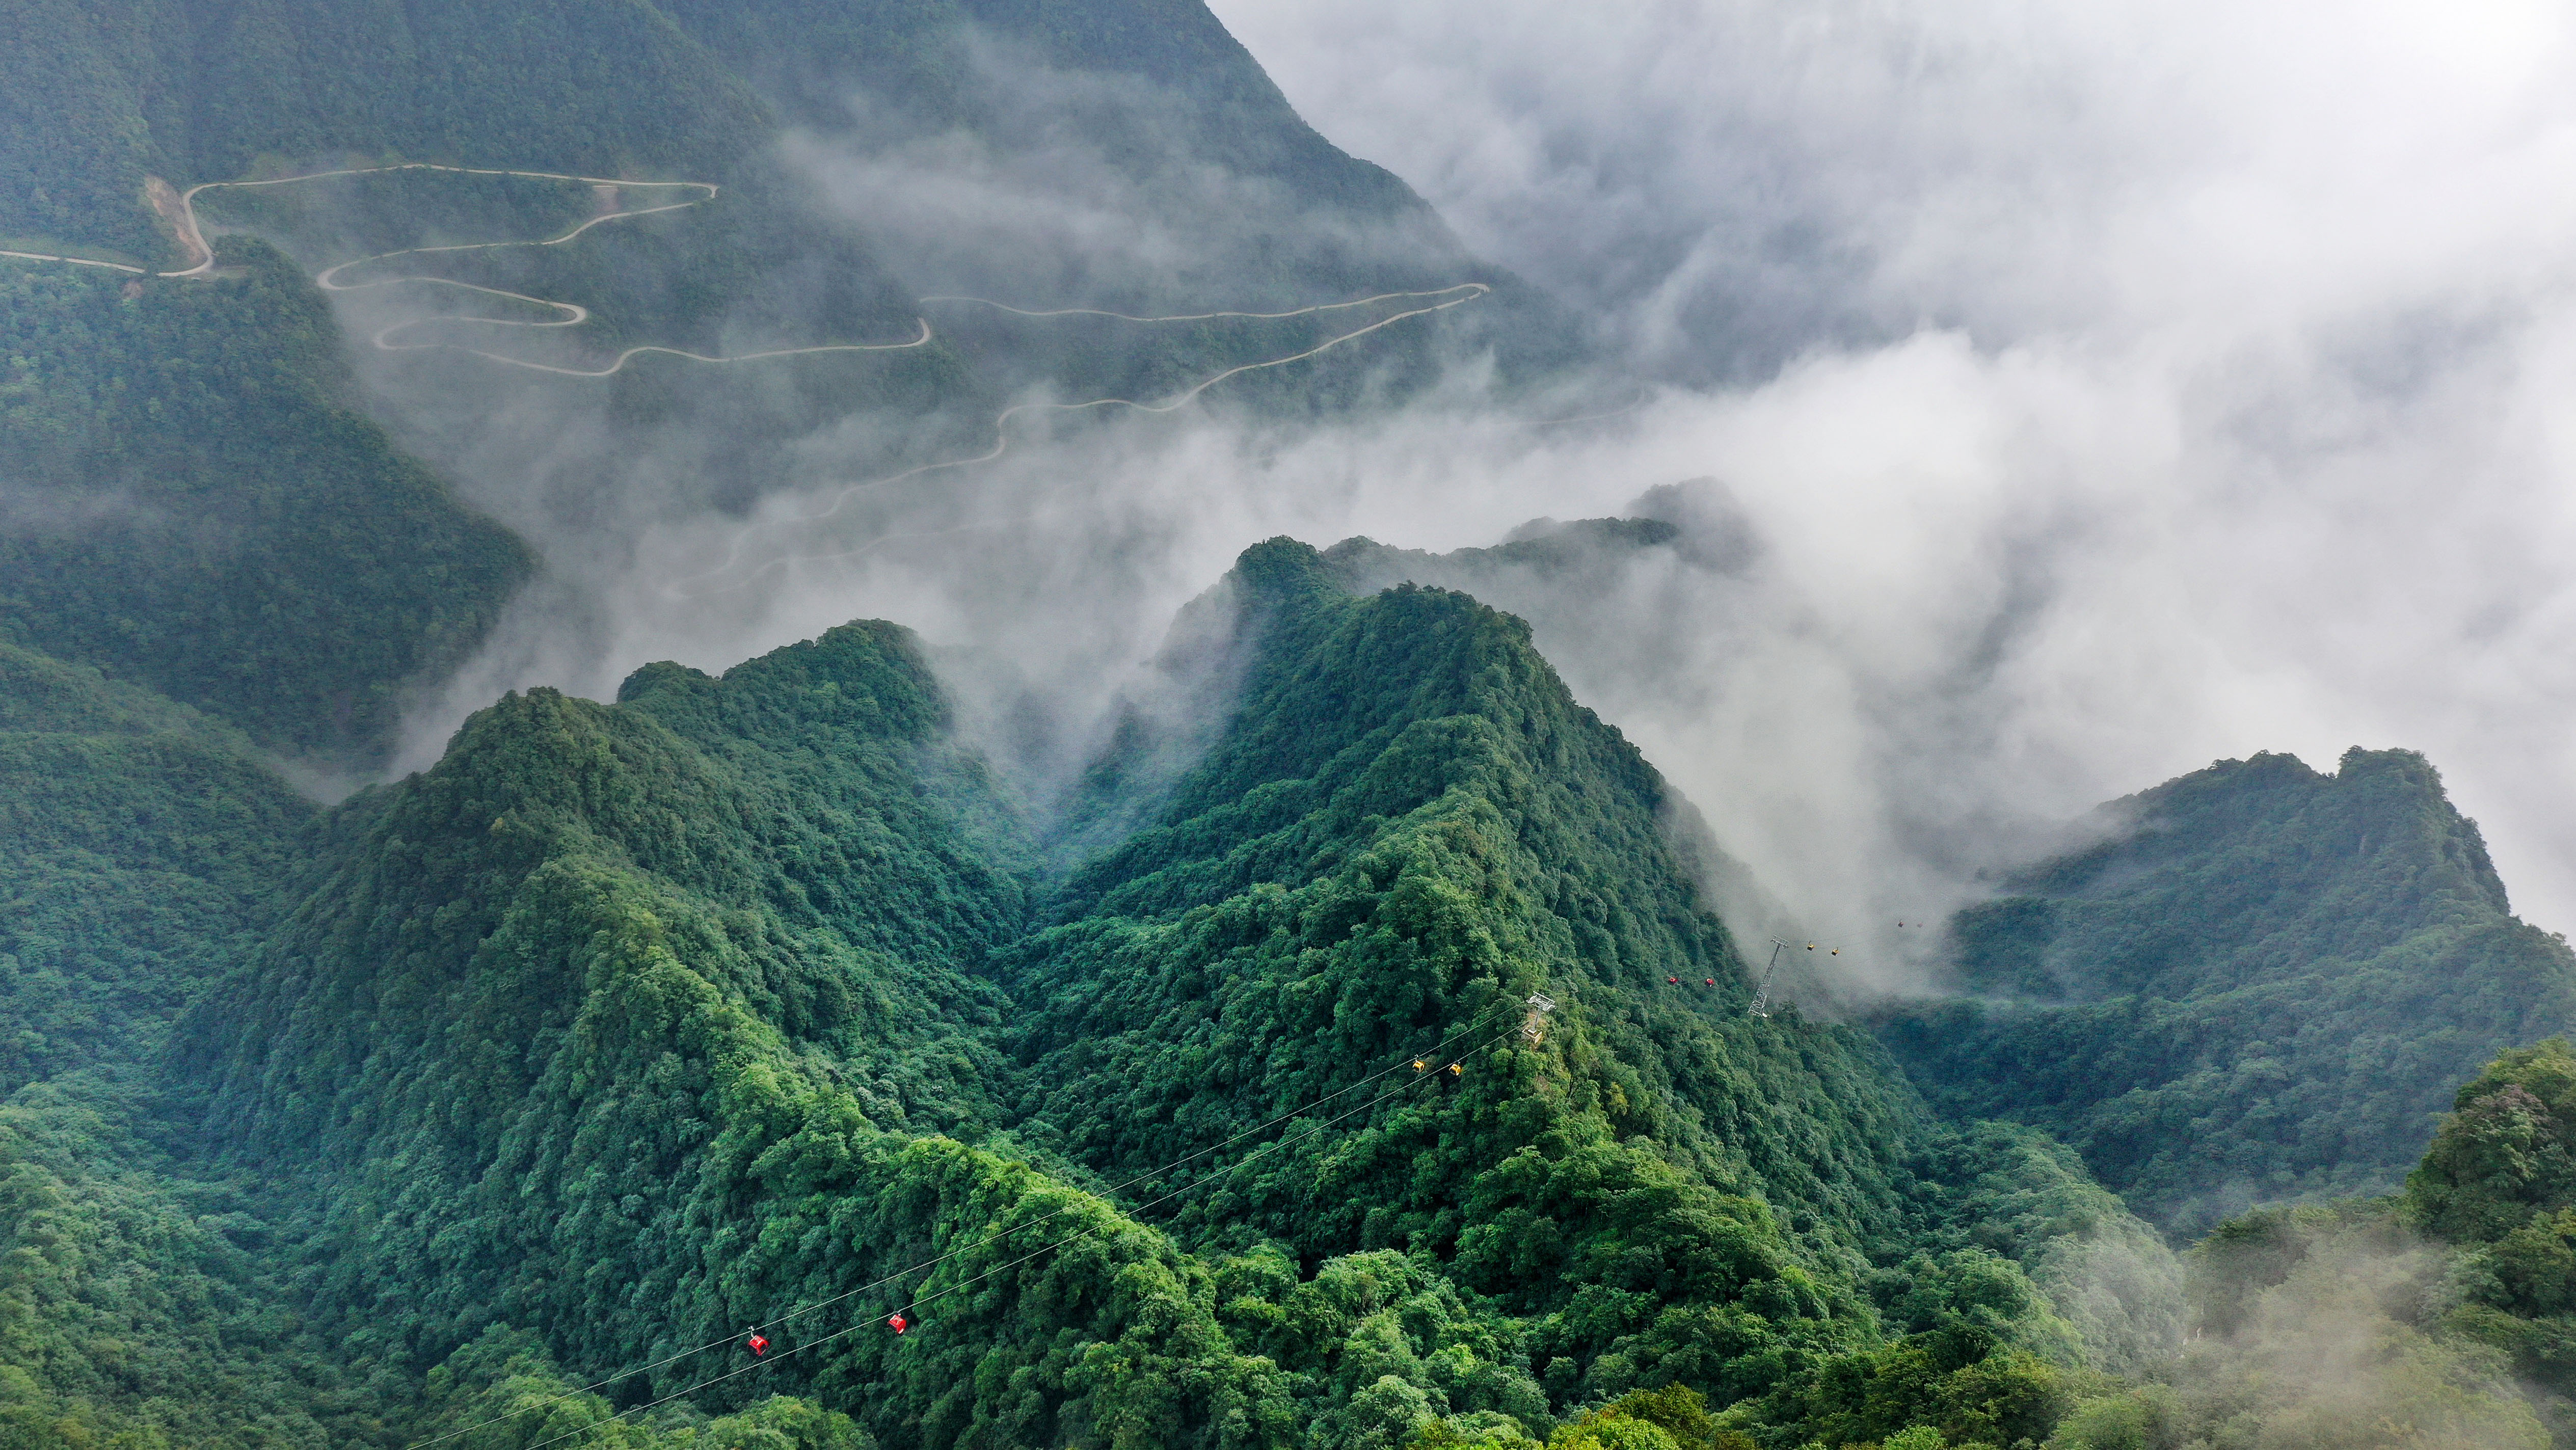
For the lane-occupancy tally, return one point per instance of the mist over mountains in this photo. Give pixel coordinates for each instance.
(907, 724)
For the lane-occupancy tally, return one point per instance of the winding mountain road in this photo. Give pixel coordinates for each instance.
(178, 208)
(1464, 292)
(573, 314)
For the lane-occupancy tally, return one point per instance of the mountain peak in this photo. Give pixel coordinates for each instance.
(2239, 942)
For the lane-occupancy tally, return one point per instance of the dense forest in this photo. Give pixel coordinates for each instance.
(775, 886)
(199, 508)
(2257, 984)
(1156, 95)
(2260, 984)
(757, 1000)
(190, 450)
(94, 100)
(628, 1025)
(1362, 1064)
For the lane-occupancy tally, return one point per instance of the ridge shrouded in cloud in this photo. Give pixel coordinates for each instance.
(2128, 385)
(2108, 393)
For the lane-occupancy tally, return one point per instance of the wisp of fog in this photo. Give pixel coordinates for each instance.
(2107, 389)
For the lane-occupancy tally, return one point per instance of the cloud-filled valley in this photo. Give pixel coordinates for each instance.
(2108, 396)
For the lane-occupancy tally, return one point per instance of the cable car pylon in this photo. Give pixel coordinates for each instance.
(1762, 994)
(1534, 1025)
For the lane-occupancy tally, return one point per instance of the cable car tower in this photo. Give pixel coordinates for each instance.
(1762, 994)
(1534, 1025)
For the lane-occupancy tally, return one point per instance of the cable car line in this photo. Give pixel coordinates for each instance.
(1416, 1060)
(1400, 1088)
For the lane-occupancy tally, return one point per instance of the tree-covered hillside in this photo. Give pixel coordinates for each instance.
(195, 505)
(185, 453)
(1412, 822)
(2436, 1318)
(2260, 985)
(144, 850)
(2499, 1186)
(738, 1002)
(750, 1001)
(92, 101)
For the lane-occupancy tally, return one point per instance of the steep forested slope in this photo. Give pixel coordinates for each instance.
(628, 1025)
(2499, 1185)
(601, 1025)
(148, 1296)
(2436, 1318)
(135, 417)
(193, 505)
(1412, 822)
(98, 97)
(92, 101)
(143, 849)
(834, 867)
(2260, 986)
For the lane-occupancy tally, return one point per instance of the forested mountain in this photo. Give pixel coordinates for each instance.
(1361, 1063)
(1410, 816)
(2435, 1317)
(194, 505)
(2499, 1186)
(628, 1025)
(177, 448)
(95, 99)
(756, 1000)
(2253, 984)
(1151, 109)
(2261, 983)
(147, 848)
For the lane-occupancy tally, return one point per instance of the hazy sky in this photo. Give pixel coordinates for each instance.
(2137, 383)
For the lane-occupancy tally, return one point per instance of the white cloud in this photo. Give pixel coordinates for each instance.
(2222, 350)
(2114, 387)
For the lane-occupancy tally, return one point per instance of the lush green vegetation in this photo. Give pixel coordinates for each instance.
(1412, 823)
(195, 507)
(2437, 1316)
(2259, 986)
(92, 104)
(2500, 1185)
(678, 1012)
(143, 850)
(628, 1025)
(737, 273)
(95, 99)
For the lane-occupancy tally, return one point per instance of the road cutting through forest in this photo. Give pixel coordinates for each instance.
(1458, 295)
(573, 313)
(178, 208)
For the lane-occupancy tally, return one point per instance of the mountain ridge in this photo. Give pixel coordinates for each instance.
(2251, 951)
(653, 1061)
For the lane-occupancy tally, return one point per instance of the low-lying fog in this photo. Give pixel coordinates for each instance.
(2106, 390)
